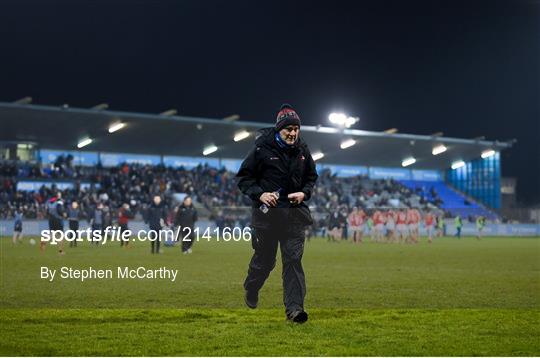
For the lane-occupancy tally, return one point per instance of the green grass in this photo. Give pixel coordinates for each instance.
(454, 297)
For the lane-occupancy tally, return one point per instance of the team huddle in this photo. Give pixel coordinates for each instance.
(385, 226)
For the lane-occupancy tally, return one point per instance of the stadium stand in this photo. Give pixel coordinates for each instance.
(448, 199)
(370, 174)
(212, 189)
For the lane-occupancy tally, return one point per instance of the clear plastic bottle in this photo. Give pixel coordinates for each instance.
(264, 208)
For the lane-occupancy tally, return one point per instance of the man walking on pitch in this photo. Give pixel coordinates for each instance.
(73, 214)
(185, 218)
(278, 175)
(156, 216)
(17, 226)
(56, 214)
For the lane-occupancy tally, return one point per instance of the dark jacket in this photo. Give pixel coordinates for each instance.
(97, 218)
(186, 216)
(73, 214)
(154, 214)
(55, 209)
(336, 220)
(268, 168)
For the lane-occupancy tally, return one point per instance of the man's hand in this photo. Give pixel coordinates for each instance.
(269, 199)
(296, 198)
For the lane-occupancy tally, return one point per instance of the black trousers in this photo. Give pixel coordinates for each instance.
(122, 228)
(187, 242)
(97, 227)
(155, 245)
(291, 240)
(73, 225)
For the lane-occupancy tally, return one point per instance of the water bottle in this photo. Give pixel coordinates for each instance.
(264, 208)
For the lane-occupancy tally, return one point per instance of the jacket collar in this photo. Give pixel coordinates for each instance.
(266, 136)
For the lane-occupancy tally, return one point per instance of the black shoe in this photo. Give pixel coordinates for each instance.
(298, 316)
(251, 299)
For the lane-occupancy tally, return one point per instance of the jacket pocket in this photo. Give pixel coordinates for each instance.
(301, 215)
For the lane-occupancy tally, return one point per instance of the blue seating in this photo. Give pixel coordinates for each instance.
(452, 200)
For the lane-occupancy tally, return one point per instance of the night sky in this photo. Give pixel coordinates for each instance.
(464, 68)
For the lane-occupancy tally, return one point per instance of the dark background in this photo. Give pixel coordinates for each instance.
(467, 68)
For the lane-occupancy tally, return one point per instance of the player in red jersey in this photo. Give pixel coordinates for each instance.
(429, 222)
(413, 218)
(401, 226)
(356, 224)
(391, 218)
(378, 222)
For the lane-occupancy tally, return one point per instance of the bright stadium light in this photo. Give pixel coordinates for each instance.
(84, 142)
(488, 153)
(241, 135)
(337, 118)
(408, 161)
(209, 150)
(317, 156)
(116, 127)
(350, 121)
(348, 143)
(458, 164)
(438, 149)
(342, 119)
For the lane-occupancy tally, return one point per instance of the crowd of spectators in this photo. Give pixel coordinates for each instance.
(133, 184)
(214, 189)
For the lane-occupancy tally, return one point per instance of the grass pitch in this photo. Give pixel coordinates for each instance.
(453, 297)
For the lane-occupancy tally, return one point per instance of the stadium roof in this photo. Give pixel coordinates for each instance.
(63, 127)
